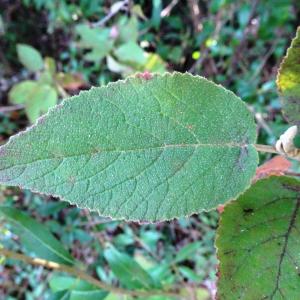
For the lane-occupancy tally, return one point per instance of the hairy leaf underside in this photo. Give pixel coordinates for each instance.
(150, 148)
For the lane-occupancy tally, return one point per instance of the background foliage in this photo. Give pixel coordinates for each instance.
(77, 44)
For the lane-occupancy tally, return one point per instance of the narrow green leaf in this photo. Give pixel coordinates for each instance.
(288, 81)
(258, 242)
(162, 272)
(112, 296)
(127, 270)
(151, 298)
(35, 237)
(61, 295)
(156, 13)
(61, 283)
(189, 274)
(187, 252)
(88, 295)
(140, 149)
(30, 57)
(77, 289)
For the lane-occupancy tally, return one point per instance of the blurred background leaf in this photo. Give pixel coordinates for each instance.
(35, 237)
(30, 57)
(127, 270)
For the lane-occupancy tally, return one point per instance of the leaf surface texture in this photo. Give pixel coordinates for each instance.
(141, 149)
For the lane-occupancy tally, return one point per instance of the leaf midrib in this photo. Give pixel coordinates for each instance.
(285, 244)
(168, 146)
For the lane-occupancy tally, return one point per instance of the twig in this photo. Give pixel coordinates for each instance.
(195, 15)
(62, 91)
(6, 109)
(199, 61)
(295, 174)
(265, 148)
(264, 60)
(205, 50)
(167, 10)
(236, 57)
(110, 14)
(271, 149)
(84, 276)
(261, 121)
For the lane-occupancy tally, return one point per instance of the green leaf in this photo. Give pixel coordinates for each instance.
(203, 294)
(154, 63)
(88, 295)
(258, 242)
(61, 295)
(35, 237)
(150, 298)
(50, 65)
(189, 274)
(138, 11)
(21, 92)
(116, 67)
(187, 252)
(77, 289)
(61, 283)
(139, 149)
(91, 37)
(156, 13)
(37, 97)
(42, 98)
(112, 296)
(131, 53)
(127, 270)
(46, 78)
(288, 81)
(96, 39)
(30, 57)
(128, 29)
(95, 55)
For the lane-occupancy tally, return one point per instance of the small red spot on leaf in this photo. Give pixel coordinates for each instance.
(220, 208)
(145, 75)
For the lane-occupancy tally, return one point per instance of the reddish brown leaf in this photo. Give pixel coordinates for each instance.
(277, 166)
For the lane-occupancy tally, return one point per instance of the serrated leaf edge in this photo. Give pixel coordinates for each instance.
(125, 81)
